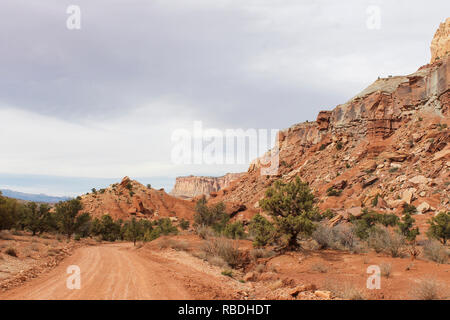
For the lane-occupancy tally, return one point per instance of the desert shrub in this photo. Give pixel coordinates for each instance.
(227, 273)
(440, 227)
(256, 254)
(262, 230)
(369, 219)
(217, 261)
(184, 224)
(425, 289)
(324, 236)
(292, 206)
(332, 192)
(234, 230)
(165, 226)
(409, 208)
(11, 252)
(405, 227)
(435, 251)
(204, 232)
(179, 245)
(328, 214)
(381, 239)
(225, 249)
(346, 290)
(339, 145)
(386, 269)
(340, 237)
(212, 216)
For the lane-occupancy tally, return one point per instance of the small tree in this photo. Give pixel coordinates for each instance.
(440, 227)
(37, 219)
(405, 227)
(132, 231)
(68, 220)
(292, 208)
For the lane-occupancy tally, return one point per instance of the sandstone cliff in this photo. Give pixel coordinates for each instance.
(440, 46)
(129, 199)
(193, 186)
(386, 146)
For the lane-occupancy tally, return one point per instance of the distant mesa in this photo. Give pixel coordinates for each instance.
(194, 186)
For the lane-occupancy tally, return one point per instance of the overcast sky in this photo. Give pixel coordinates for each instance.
(83, 108)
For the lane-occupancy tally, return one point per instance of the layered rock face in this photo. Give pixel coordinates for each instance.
(440, 46)
(129, 199)
(391, 142)
(193, 186)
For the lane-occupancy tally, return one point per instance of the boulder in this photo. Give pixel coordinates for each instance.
(407, 196)
(423, 207)
(323, 294)
(419, 180)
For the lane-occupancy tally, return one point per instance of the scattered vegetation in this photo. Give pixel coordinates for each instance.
(262, 231)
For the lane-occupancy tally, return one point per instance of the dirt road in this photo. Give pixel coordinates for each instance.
(113, 271)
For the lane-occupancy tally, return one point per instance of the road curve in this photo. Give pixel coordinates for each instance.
(111, 272)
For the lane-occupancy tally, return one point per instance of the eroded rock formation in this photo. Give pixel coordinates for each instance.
(193, 186)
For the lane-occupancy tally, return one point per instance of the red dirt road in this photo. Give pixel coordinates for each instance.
(113, 271)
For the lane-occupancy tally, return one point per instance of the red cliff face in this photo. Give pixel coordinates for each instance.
(193, 186)
(377, 143)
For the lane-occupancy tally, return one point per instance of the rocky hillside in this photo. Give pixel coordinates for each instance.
(386, 146)
(129, 199)
(193, 186)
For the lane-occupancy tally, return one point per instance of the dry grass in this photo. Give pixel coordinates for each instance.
(225, 249)
(256, 254)
(386, 269)
(425, 289)
(260, 268)
(435, 251)
(204, 232)
(346, 291)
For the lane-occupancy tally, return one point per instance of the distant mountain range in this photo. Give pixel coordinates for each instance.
(32, 197)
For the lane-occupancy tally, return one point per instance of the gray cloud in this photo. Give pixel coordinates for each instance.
(231, 64)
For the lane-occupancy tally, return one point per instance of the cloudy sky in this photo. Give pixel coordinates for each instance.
(83, 108)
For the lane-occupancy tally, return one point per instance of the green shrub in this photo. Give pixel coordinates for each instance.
(332, 192)
(405, 227)
(292, 206)
(234, 230)
(440, 227)
(184, 224)
(213, 216)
